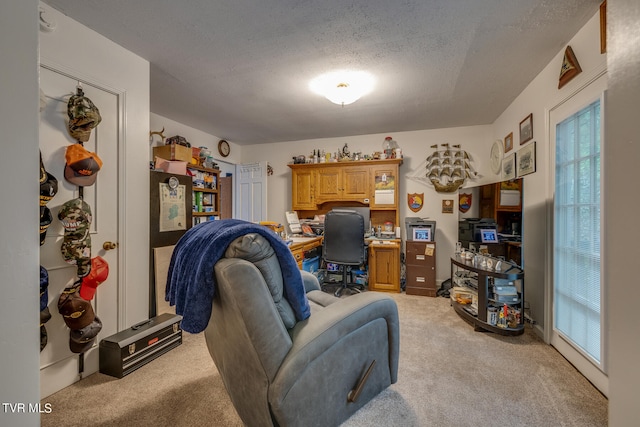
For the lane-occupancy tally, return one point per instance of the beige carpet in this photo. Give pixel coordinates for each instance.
(449, 375)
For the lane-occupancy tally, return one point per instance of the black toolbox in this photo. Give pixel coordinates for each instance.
(126, 351)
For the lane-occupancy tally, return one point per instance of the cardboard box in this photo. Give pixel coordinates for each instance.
(173, 152)
(177, 167)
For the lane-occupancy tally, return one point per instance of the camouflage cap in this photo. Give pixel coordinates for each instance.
(78, 253)
(75, 216)
(83, 117)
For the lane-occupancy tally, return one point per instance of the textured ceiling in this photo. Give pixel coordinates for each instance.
(240, 69)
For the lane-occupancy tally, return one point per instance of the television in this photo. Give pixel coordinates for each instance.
(488, 235)
(422, 234)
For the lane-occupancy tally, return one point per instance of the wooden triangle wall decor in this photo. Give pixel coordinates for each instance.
(570, 67)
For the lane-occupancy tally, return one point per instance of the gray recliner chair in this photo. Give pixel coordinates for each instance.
(277, 371)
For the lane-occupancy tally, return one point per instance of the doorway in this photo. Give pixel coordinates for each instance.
(59, 366)
(576, 268)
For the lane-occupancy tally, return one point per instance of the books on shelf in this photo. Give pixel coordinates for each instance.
(200, 219)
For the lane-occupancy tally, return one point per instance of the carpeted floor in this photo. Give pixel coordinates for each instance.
(449, 375)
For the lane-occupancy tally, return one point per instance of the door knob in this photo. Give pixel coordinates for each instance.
(107, 246)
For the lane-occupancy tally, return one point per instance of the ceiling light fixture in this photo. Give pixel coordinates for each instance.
(343, 87)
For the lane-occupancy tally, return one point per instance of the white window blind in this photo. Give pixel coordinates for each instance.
(577, 294)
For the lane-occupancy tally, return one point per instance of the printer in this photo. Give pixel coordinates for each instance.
(412, 222)
(469, 229)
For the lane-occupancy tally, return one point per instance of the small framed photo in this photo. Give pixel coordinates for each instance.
(509, 167)
(526, 160)
(526, 129)
(508, 142)
(447, 206)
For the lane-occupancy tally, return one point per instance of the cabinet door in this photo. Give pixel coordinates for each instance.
(355, 183)
(488, 201)
(385, 183)
(302, 190)
(384, 267)
(329, 184)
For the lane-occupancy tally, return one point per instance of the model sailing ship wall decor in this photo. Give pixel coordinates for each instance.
(448, 167)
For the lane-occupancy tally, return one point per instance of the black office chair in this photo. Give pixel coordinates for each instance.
(344, 244)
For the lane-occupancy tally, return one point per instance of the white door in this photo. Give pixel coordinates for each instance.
(251, 191)
(578, 315)
(59, 367)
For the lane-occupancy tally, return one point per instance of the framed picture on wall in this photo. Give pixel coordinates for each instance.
(526, 160)
(509, 167)
(526, 129)
(508, 142)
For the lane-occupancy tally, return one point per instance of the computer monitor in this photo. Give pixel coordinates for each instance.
(489, 235)
(364, 212)
(422, 234)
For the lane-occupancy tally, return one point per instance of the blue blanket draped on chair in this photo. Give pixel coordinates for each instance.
(191, 278)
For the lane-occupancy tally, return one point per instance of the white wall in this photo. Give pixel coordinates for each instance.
(19, 245)
(621, 160)
(415, 148)
(538, 98)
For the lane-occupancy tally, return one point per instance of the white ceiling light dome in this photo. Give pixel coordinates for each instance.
(343, 87)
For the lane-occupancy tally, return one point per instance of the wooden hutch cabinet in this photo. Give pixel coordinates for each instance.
(350, 183)
(318, 188)
(303, 195)
(503, 202)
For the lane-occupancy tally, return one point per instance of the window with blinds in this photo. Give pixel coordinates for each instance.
(577, 278)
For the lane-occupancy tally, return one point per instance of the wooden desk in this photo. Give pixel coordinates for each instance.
(301, 245)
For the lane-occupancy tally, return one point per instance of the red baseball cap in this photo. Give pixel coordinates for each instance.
(99, 273)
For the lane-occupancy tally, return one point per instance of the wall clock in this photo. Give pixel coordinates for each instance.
(495, 157)
(173, 183)
(223, 148)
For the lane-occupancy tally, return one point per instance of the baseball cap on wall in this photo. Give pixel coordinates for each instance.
(48, 189)
(43, 337)
(75, 216)
(48, 184)
(99, 273)
(81, 340)
(43, 171)
(82, 165)
(44, 286)
(83, 117)
(45, 221)
(76, 311)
